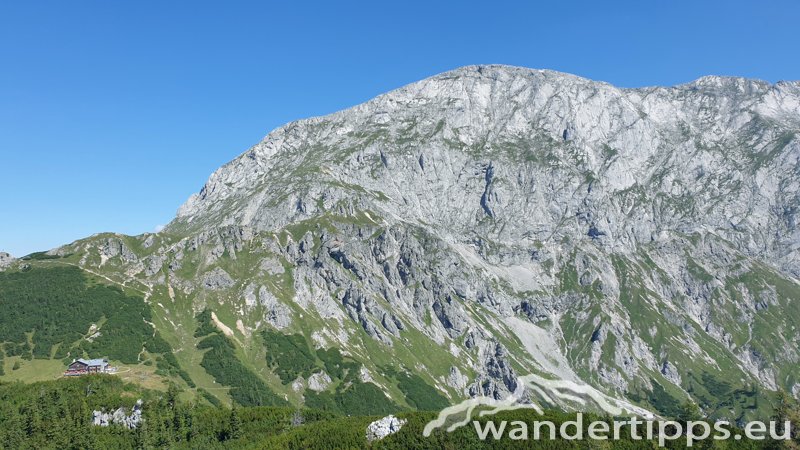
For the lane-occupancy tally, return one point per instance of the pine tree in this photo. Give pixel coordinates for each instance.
(33, 419)
(689, 412)
(179, 419)
(235, 424)
(172, 396)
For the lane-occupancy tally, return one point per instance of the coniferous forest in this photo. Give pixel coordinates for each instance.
(58, 415)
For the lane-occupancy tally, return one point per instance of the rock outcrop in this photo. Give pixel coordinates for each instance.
(119, 416)
(384, 427)
(6, 260)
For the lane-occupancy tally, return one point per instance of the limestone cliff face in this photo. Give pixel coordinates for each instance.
(514, 153)
(517, 220)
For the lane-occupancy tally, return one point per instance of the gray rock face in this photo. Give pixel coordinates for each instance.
(153, 264)
(456, 379)
(217, 279)
(671, 373)
(384, 427)
(277, 314)
(490, 129)
(319, 381)
(115, 247)
(119, 416)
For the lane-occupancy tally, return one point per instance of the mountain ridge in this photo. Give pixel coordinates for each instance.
(490, 222)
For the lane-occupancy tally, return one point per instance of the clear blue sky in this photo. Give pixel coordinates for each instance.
(113, 113)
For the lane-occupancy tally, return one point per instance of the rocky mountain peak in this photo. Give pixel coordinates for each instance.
(509, 219)
(505, 141)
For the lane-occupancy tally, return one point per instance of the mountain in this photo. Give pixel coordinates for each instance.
(441, 240)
